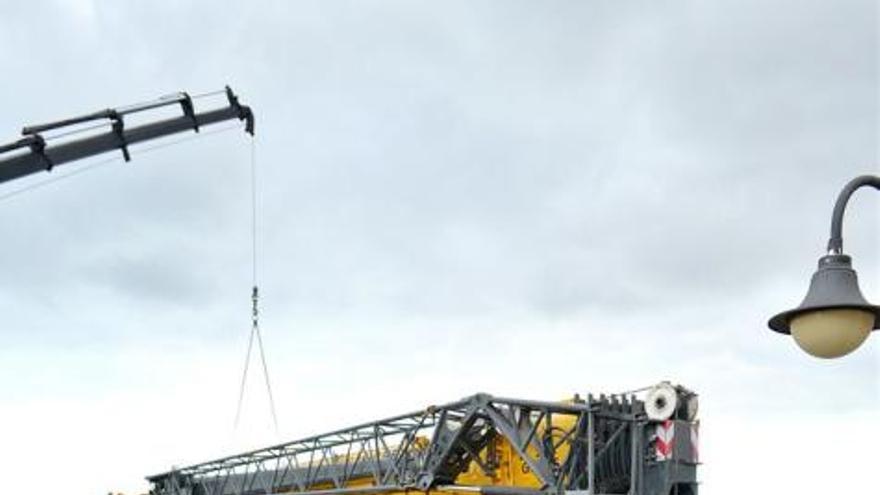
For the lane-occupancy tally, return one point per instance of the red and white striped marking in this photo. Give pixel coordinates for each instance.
(663, 440)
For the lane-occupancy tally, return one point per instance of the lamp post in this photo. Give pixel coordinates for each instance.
(834, 318)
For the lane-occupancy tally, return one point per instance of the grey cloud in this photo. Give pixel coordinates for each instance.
(468, 160)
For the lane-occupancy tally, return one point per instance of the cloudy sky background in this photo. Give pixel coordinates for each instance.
(529, 199)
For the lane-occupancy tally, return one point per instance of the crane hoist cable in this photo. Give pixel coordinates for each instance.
(255, 311)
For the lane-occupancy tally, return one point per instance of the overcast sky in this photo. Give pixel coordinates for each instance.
(523, 198)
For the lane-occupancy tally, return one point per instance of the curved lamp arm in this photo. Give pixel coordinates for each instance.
(835, 243)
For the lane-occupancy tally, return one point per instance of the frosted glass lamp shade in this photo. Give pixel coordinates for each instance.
(831, 333)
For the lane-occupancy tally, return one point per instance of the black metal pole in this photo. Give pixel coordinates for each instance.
(835, 243)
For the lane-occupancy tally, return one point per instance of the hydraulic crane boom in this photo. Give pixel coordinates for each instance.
(39, 155)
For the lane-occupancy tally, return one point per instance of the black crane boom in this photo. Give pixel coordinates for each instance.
(39, 155)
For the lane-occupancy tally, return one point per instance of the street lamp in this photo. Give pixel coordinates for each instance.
(834, 318)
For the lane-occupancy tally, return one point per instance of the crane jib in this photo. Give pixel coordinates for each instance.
(41, 156)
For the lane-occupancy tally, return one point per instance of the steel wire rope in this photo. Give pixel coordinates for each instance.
(255, 324)
(75, 131)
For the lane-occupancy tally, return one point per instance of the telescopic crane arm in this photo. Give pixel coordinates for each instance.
(39, 155)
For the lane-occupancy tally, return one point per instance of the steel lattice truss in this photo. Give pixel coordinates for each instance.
(426, 449)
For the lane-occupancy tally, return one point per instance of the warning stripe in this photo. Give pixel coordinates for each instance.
(663, 440)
